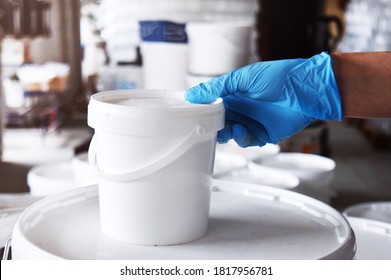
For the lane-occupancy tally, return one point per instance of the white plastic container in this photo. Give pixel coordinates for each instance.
(8, 219)
(194, 80)
(164, 65)
(311, 169)
(155, 155)
(374, 210)
(373, 239)
(264, 175)
(246, 222)
(216, 48)
(51, 178)
(164, 52)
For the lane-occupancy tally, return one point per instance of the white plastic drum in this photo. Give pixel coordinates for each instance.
(246, 222)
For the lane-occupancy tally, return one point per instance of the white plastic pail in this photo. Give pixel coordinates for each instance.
(164, 50)
(155, 153)
(216, 48)
(164, 65)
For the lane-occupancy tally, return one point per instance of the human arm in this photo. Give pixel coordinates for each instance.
(269, 101)
(364, 83)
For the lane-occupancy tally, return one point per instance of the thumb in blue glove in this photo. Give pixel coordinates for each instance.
(268, 101)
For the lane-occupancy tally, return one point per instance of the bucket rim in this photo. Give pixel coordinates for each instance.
(102, 98)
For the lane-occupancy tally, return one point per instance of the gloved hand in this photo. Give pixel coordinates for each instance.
(266, 102)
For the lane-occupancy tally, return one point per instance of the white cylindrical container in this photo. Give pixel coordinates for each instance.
(164, 65)
(216, 48)
(164, 52)
(311, 169)
(51, 178)
(155, 154)
(194, 80)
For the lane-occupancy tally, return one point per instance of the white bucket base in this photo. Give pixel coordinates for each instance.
(246, 222)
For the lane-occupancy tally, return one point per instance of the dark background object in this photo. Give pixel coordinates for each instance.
(25, 18)
(293, 29)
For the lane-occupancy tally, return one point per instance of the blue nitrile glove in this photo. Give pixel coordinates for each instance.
(268, 101)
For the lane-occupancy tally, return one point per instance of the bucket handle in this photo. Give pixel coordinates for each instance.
(152, 167)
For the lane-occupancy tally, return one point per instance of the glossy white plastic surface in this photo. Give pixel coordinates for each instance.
(310, 168)
(51, 178)
(376, 210)
(216, 48)
(154, 152)
(246, 221)
(8, 219)
(373, 239)
(263, 175)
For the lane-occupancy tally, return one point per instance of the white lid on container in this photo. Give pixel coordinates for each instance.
(51, 178)
(308, 167)
(376, 210)
(263, 175)
(246, 222)
(17, 200)
(373, 239)
(8, 219)
(152, 112)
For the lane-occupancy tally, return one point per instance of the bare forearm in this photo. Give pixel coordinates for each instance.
(364, 83)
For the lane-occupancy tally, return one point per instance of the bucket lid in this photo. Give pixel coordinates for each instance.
(305, 166)
(246, 222)
(8, 219)
(152, 112)
(264, 175)
(373, 239)
(378, 211)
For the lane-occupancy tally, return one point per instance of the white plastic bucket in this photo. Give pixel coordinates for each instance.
(194, 80)
(51, 178)
(164, 65)
(311, 169)
(155, 155)
(164, 52)
(216, 48)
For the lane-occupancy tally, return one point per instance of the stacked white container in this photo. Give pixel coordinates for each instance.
(119, 18)
(164, 52)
